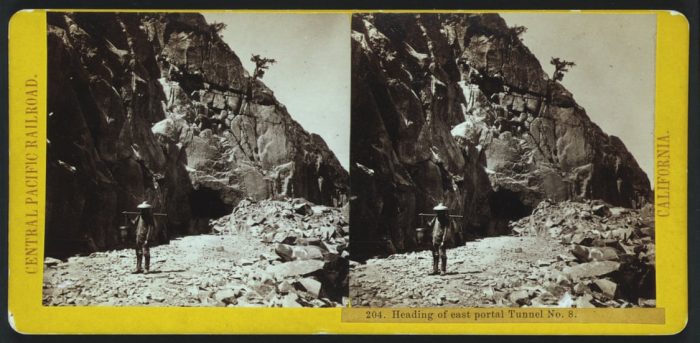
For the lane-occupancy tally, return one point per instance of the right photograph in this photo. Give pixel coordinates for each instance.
(502, 160)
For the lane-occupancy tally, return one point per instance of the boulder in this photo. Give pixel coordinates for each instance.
(581, 238)
(584, 301)
(312, 286)
(606, 287)
(580, 288)
(622, 233)
(226, 296)
(333, 248)
(285, 252)
(290, 301)
(591, 269)
(303, 209)
(603, 254)
(292, 253)
(618, 211)
(51, 262)
(284, 287)
(308, 252)
(647, 302)
(327, 232)
(581, 253)
(601, 210)
(519, 297)
(295, 268)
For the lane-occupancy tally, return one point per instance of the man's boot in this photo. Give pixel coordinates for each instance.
(138, 265)
(147, 259)
(443, 268)
(435, 267)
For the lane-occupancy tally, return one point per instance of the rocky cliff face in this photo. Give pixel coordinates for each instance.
(455, 109)
(149, 107)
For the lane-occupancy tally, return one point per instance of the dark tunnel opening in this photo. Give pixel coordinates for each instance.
(206, 203)
(506, 206)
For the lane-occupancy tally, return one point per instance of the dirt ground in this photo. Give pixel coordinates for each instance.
(201, 270)
(479, 274)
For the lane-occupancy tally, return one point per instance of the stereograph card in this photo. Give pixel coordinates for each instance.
(346, 171)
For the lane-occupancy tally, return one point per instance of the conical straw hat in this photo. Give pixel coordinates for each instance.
(440, 207)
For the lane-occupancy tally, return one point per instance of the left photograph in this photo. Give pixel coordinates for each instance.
(197, 159)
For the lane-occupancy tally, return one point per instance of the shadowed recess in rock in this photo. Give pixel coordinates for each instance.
(506, 206)
(206, 203)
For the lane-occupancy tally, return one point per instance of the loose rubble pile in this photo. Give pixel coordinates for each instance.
(272, 253)
(611, 259)
(310, 240)
(564, 255)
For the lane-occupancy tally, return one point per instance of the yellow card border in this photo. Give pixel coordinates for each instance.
(27, 61)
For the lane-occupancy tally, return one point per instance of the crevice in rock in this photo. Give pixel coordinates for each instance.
(506, 206)
(206, 203)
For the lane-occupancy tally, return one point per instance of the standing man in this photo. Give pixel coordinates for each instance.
(145, 227)
(441, 227)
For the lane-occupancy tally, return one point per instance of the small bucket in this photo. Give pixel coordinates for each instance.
(420, 235)
(123, 233)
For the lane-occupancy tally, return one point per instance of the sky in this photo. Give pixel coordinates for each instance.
(312, 74)
(614, 76)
